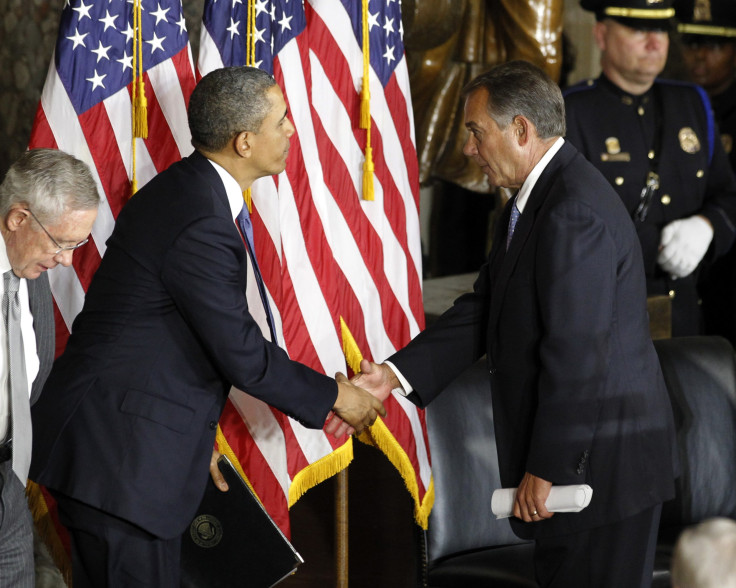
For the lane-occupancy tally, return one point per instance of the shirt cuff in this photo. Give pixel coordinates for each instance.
(406, 387)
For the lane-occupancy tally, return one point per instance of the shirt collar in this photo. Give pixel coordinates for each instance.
(531, 180)
(232, 189)
(4, 261)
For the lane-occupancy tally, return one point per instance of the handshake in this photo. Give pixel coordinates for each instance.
(360, 399)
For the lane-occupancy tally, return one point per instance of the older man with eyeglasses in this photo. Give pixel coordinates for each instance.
(48, 203)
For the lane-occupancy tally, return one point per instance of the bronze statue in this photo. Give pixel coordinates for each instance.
(448, 43)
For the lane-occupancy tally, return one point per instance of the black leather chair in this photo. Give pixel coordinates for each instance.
(701, 378)
(467, 547)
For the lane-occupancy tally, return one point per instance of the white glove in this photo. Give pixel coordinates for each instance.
(683, 244)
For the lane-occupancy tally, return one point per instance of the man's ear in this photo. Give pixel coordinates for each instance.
(599, 34)
(16, 216)
(241, 143)
(522, 128)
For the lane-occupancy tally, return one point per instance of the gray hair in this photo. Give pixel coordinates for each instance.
(520, 88)
(705, 555)
(226, 102)
(50, 182)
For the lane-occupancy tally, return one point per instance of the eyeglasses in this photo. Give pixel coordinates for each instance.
(60, 248)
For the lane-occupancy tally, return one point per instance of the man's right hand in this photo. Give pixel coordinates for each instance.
(376, 378)
(355, 406)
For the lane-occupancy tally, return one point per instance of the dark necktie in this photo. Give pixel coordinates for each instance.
(515, 214)
(246, 228)
(20, 407)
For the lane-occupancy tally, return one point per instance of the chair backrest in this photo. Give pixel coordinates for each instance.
(700, 373)
(464, 468)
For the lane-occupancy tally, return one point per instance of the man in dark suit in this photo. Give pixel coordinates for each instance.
(560, 312)
(48, 203)
(130, 409)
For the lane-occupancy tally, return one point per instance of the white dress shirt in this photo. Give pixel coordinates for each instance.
(29, 343)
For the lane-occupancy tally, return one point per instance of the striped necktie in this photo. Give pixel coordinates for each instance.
(515, 214)
(246, 228)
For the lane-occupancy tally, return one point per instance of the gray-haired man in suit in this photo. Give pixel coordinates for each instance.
(48, 203)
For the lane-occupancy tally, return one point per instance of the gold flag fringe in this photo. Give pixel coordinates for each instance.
(350, 348)
(378, 435)
(47, 530)
(320, 470)
(224, 447)
(307, 478)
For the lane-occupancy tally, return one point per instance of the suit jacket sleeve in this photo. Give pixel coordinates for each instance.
(439, 354)
(202, 255)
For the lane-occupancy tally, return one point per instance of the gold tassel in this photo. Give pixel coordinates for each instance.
(248, 197)
(365, 105)
(140, 104)
(365, 109)
(350, 348)
(140, 110)
(368, 169)
(365, 92)
(250, 48)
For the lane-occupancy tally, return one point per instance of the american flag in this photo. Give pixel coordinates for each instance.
(325, 253)
(85, 110)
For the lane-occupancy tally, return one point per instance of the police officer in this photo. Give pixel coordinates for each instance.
(708, 29)
(655, 141)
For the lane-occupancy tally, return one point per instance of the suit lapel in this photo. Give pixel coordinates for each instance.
(39, 299)
(523, 230)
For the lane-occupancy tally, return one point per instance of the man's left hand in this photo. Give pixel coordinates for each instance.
(531, 497)
(216, 474)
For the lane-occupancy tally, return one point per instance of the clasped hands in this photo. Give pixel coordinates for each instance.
(376, 379)
(358, 404)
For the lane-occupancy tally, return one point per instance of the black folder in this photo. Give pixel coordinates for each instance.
(232, 542)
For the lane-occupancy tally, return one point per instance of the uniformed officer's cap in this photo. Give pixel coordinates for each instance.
(637, 14)
(710, 19)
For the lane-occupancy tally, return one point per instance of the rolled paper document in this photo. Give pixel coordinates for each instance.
(561, 499)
